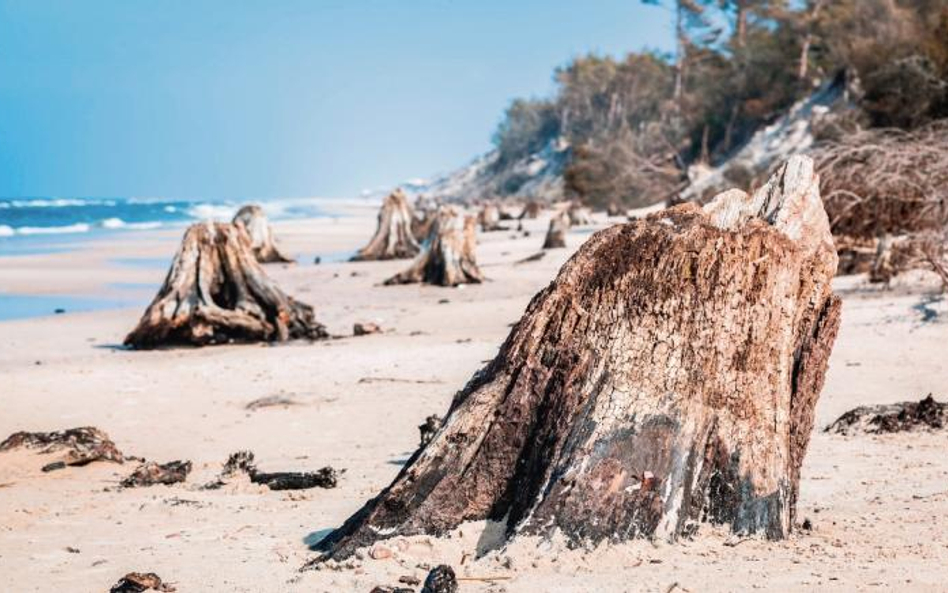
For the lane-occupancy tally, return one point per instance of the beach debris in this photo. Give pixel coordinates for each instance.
(271, 401)
(80, 446)
(579, 215)
(242, 462)
(556, 233)
(253, 220)
(217, 292)
(447, 258)
(531, 210)
(151, 473)
(925, 414)
(137, 582)
(410, 580)
(441, 579)
(365, 328)
(489, 218)
(380, 552)
(326, 477)
(393, 237)
(387, 589)
(667, 376)
(505, 214)
(428, 429)
(531, 258)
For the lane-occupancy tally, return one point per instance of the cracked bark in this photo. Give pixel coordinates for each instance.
(666, 377)
(217, 292)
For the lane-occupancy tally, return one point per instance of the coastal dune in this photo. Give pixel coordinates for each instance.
(876, 504)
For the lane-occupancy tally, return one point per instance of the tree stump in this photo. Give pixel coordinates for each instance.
(217, 292)
(447, 257)
(489, 219)
(556, 234)
(262, 243)
(393, 238)
(667, 376)
(531, 210)
(579, 215)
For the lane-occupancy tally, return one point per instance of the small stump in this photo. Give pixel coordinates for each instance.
(556, 234)
(262, 243)
(448, 257)
(393, 238)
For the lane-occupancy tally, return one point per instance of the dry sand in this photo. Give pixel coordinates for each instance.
(879, 505)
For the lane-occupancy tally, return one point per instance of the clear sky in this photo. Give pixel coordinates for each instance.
(276, 98)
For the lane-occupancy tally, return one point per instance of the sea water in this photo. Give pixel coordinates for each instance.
(55, 222)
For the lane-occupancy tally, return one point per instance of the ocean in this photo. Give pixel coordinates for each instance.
(45, 217)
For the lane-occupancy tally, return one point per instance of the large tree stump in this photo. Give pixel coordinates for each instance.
(447, 257)
(393, 238)
(556, 234)
(254, 221)
(217, 292)
(667, 376)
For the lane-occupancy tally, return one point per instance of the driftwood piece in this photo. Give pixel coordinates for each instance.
(448, 255)
(262, 243)
(489, 219)
(217, 292)
(366, 328)
(393, 238)
(926, 414)
(667, 376)
(242, 462)
(80, 445)
(556, 234)
(137, 582)
(152, 473)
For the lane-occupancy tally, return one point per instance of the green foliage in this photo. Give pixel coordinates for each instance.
(738, 65)
(526, 128)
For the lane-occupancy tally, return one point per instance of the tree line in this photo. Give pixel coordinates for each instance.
(635, 124)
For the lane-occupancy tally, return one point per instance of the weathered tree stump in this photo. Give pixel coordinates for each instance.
(217, 292)
(579, 215)
(489, 219)
(667, 376)
(262, 243)
(393, 238)
(556, 234)
(531, 210)
(616, 209)
(447, 257)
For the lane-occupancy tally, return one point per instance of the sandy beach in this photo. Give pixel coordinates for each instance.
(878, 505)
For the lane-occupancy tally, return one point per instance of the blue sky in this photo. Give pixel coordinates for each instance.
(270, 98)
